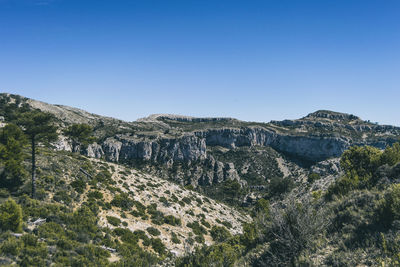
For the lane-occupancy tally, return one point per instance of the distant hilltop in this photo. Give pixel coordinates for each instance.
(167, 138)
(156, 117)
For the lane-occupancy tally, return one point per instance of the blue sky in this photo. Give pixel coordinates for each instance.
(253, 60)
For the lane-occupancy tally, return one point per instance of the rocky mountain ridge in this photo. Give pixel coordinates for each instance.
(174, 143)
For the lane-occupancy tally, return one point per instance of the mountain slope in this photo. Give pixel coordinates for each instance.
(182, 148)
(144, 193)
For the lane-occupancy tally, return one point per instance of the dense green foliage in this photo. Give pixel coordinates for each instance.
(10, 216)
(362, 166)
(359, 219)
(219, 233)
(391, 155)
(75, 238)
(12, 171)
(39, 127)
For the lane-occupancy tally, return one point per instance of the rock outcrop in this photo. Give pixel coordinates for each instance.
(168, 140)
(312, 148)
(123, 148)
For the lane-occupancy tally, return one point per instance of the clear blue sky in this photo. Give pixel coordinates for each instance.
(253, 60)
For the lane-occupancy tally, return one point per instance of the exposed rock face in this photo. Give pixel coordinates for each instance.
(192, 147)
(308, 147)
(311, 148)
(234, 137)
(168, 151)
(95, 151)
(217, 172)
(161, 150)
(63, 144)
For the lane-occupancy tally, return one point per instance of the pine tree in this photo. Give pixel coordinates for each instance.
(12, 140)
(38, 127)
(80, 134)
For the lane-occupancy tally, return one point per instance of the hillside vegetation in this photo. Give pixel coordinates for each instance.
(79, 189)
(90, 212)
(355, 221)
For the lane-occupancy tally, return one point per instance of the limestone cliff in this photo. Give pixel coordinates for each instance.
(179, 144)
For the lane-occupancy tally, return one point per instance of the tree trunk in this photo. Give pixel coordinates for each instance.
(33, 168)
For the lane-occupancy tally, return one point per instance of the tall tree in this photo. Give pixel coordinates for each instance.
(39, 127)
(12, 171)
(80, 134)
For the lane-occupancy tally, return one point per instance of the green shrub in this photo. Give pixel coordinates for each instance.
(10, 216)
(153, 231)
(362, 160)
(171, 220)
(140, 209)
(199, 239)
(29, 240)
(158, 246)
(199, 201)
(231, 189)
(152, 208)
(249, 235)
(62, 196)
(219, 233)
(126, 235)
(41, 194)
(50, 230)
(84, 221)
(279, 186)
(95, 194)
(104, 177)
(157, 217)
(142, 235)
(122, 201)
(175, 239)
(391, 155)
(163, 200)
(227, 224)
(223, 254)
(343, 185)
(189, 187)
(11, 246)
(186, 200)
(65, 244)
(393, 201)
(174, 198)
(205, 223)
(33, 253)
(262, 207)
(113, 220)
(316, 195)
(79, 186)
(390, 206)
(197, 228)
(4, 193)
